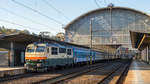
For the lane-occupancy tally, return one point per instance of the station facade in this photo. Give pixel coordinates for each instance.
(107, 26)
(11, 53)
(12, 49)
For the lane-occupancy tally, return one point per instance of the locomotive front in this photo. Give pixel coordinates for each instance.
(35, 57)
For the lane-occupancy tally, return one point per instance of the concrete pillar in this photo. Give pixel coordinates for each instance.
(11, 54)
(147, 55)
(148, 58)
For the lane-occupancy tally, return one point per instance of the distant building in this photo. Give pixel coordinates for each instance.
(110, 26)
(60, 36)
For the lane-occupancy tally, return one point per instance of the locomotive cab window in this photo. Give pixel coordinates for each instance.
(62, 50)
(30, 49)
(68, 51)
(54, 51)
(40, 48)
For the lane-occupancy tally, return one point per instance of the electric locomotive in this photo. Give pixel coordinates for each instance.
(41, 56)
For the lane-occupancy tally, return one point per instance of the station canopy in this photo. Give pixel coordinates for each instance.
(25, 39)
(139, 39)
(22, 38)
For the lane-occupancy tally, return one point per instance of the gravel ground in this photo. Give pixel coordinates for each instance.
(95, 76)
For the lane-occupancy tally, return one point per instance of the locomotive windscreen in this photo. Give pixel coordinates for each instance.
(30, 49)
(36, 48)
(40, 48)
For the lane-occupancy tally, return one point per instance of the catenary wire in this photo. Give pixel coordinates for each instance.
(18, 24)
(50, 5)
(96, 3)
(25, 18)
(36, 11)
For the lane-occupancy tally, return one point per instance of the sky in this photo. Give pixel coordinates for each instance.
(52, 15)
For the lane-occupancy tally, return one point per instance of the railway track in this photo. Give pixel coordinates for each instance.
(69, 76)
(8, 78)
(35, 77)
(63, 76)
(119, 72)
(113, 77)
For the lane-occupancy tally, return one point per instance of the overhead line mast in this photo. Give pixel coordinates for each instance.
(36, 11)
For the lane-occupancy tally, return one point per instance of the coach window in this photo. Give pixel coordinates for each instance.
(68, 51)
(54, 51)
(62, 50)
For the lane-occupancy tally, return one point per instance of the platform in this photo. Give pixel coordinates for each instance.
(7, 71)
(139, 73)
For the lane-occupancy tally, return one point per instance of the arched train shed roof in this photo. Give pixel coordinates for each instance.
(101, 9)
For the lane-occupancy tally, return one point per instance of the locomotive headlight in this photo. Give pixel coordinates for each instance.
(25, 65)
(39, 65)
